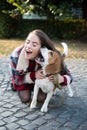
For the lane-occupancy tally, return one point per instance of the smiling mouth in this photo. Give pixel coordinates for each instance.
(27, 52)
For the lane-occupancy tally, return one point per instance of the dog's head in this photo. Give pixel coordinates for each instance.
(50, 60)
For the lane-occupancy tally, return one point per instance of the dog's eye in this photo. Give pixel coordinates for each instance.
(51, 53)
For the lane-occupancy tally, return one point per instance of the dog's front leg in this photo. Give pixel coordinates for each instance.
(34, 100)
(46, 102)
(70, 91)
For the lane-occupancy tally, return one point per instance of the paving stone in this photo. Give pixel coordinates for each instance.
(61, 120)
(19, 129)
(2, 128)
(6, 114)
(65, 128)
(10, 119)
(31, 117)
(53, 125)
(2, 123)
(20, 114)
(14, 109)
(39, 121)
(83, 126)
(12, 126)
(47, 128)
(72, 125)
(8, 105)
(23, 122)
(30, 127)
(49, 116)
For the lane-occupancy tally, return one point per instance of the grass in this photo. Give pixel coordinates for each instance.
(77, 49)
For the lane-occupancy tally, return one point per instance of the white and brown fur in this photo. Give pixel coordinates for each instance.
(50, 65)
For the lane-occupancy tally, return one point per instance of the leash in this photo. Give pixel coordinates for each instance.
(56, 83)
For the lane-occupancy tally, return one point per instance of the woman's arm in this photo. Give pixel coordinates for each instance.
(65, 79)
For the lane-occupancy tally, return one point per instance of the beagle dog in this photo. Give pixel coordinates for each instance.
(50, 62)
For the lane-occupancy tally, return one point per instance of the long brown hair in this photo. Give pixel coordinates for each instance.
(44, 39)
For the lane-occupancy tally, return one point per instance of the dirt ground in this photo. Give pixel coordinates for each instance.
(77, 49)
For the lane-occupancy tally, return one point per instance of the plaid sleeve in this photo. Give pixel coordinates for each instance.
(30, 77)
(16, 78)
(68, 78)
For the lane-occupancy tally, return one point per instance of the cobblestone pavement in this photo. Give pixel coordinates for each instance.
(72, 115)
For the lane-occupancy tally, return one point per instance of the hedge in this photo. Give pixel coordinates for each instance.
(8, 26)
(59, 29)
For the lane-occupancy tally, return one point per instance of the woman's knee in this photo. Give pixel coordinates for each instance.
(24, 96)
(41, 96)
(25, 99)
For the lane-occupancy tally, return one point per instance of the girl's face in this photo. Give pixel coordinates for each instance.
(32, 46)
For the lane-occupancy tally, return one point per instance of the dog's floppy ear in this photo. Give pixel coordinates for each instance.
(22, 62)
(54, 63)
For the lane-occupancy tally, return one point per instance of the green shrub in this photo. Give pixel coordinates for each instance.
(65, 29)
(8, 26)
(73, 29)
(57, 29)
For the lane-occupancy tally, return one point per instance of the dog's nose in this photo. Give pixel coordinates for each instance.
(43, 46)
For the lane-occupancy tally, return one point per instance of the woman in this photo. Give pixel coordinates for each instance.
(24, 67)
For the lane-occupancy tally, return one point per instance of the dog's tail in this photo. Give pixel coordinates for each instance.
(65, 52)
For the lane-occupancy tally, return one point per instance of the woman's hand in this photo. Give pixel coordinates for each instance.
(39, 74)
(60, 78)
(51, 78)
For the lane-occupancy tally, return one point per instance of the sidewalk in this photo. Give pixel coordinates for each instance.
(72, 115)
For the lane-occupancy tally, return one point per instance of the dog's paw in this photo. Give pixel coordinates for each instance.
(44, 109)
(33, 105)
(70, 94)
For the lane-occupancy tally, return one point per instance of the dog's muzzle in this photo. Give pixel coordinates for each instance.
(39, 59)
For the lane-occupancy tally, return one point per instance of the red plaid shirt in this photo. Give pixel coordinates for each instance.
(18, 78)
